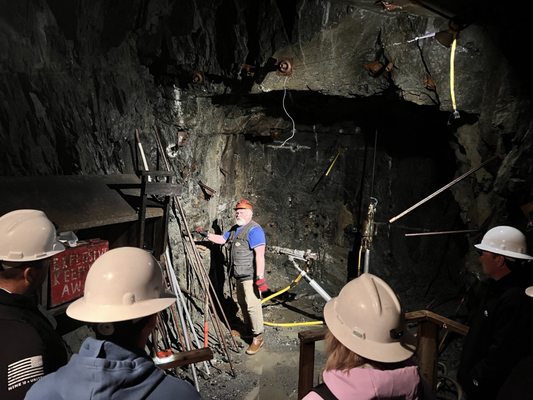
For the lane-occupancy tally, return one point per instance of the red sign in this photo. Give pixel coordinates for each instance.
(69, 268)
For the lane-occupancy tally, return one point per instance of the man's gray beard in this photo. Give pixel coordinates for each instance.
(240, 222)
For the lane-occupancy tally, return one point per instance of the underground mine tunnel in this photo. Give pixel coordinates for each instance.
(364, 140)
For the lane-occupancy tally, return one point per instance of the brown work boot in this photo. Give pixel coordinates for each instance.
(256, 344)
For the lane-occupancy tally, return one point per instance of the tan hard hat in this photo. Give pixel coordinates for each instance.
(505, 240)
(243, 203)
(124, 283)
(27, 235)
(366, 317)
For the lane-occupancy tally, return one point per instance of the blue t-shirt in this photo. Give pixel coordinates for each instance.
(256, 236)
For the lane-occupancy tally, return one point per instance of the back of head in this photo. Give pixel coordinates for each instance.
(366, 317)
(27, 235)
(125, 283)
(506, 241)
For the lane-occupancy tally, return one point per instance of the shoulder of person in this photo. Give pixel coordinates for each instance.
(175, 388)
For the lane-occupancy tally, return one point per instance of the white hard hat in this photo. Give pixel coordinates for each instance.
(27, 235)
(505, 240)
(366, 317)
(122, 284)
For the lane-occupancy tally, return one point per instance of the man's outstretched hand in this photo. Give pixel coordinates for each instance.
(200, 230)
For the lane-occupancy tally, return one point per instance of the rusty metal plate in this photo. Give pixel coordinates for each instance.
(68, 271)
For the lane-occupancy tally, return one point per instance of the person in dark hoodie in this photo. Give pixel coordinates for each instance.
(498, 336)
(123, 294)
(31, 347)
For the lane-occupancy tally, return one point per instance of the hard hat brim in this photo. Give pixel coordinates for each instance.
(81, 310)
(507, 253)
(382, 352)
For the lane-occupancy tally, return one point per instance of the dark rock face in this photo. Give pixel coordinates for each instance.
(370, 109)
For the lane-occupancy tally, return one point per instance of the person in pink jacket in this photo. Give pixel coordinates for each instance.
(368, 348)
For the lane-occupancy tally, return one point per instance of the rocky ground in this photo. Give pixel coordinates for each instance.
(272, 373)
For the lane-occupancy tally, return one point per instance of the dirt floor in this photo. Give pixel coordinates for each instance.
(272, 373)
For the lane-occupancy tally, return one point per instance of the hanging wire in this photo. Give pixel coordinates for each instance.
(286, 112)
(374, 163)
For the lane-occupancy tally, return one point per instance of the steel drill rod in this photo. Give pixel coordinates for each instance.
(200, 266)
(177, 202)
(181, 298)
(198, 269)
(187, 342)
(460, 178)
(441, 232)
(202, 275)
(173, 311)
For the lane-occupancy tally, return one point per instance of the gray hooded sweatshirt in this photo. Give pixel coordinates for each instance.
(103, 371)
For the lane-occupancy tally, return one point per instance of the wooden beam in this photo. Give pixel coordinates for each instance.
(188, 357)
(439, 320)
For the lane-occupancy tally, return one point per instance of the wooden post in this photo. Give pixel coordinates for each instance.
(307, 359)
(427, 351)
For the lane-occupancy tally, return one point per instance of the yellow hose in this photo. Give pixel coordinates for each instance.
(452, 75)
(293, 283)
(288, 324)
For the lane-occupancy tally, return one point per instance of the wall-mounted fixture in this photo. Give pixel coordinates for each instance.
(182, 137)
(374, 68)
(285, 67)
(447, 36)
(429, 83)
(208, 192)
(198, 77)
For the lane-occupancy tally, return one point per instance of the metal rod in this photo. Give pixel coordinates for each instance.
(180, 311)
(198, 266)
(441, 232)
(312, 282)
(367, 260)
(441, 190)
(187, 340)
(181, 298)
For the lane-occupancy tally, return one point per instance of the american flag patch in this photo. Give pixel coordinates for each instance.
(22, 372)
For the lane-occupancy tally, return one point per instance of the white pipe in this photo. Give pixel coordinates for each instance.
(313, 283)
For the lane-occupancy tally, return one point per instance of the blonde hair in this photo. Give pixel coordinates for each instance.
(339, 356)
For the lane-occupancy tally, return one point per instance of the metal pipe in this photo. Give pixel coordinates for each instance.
(440, 232)
(441, 190)
(179, 295)
(367, 260)
(313, 283)
(198, 266)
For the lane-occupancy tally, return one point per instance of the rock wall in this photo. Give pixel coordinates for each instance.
(78, 77)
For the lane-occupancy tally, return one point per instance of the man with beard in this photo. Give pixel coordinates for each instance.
(247, 244)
